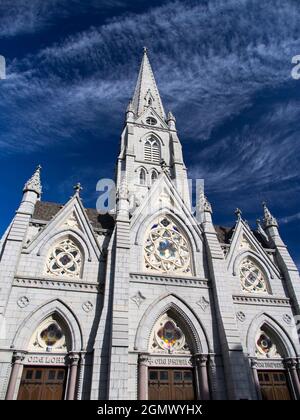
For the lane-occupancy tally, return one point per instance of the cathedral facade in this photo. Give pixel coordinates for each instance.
(151, 301)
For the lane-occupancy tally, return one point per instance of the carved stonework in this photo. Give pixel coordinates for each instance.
(71, 222)
(241, 316)
(203, 302)
(252, 278)
(287, 318)
(65, 259)
(34, 183)
(138, 299)
(203, 205)
(268, 220)
(87, 306)
(245, 244)
(23, 302)
(166, 249)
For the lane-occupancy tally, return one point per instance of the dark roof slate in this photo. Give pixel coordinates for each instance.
(45, 211)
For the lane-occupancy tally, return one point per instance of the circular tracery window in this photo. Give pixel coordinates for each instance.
(65, 259)
(166, 249)
(151, 121)
(252, 279)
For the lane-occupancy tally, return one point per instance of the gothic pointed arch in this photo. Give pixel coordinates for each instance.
(76, 237)
(152, 150)
(255, 257)
(142, 176)
(183, 319)
(61, 314)
(154, 176)
(267, 338)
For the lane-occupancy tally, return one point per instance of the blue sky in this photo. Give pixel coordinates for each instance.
(222, 66)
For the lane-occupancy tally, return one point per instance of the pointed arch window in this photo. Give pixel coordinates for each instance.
(65, 259)
(152, 150)
(154, 177)
(252, 278)
(166, 249)
(142, 177)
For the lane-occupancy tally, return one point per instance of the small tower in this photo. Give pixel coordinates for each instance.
(16, 235)
(270, 226)
(204, 211)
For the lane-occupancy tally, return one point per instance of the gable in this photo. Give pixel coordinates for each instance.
(151, 113)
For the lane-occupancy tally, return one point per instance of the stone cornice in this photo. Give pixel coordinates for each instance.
(58, 284)
(261, 300)
(150, 278)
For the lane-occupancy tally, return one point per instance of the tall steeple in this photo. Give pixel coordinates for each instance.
(149, 138)
(146, 93)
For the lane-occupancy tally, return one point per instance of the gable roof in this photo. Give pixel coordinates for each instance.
(45, 211)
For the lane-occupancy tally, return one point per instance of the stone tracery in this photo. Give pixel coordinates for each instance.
(166, 249)
(65, 259)
(252, 278)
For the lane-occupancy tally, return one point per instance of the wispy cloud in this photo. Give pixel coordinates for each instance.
(288, 219)
(212, 61)
(19, 17)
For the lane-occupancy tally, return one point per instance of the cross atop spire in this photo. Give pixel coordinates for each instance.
(34, 183)
(77, 188)
(146, 93)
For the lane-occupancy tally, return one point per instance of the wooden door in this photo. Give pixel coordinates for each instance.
(171, 384)
(273, 385)
(42, 383)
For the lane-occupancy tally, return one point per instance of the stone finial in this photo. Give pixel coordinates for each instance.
(145, 50)
(268, 220)
(171, 120)
(260, 230)
(77, 188)
(34, 183)
(203, 204)
(171, 117)
(123, 192)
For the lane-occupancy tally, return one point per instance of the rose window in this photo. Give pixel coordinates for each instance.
(168, 337)
(65, 260)
(169, 334)
(252, 279)
(51, 335)
(265, 347)
(166, 249)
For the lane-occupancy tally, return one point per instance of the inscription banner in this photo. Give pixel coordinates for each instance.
(269, 364)
(44, 359)
(169, 361)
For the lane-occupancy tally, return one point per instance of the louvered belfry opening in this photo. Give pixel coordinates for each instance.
(152, 150)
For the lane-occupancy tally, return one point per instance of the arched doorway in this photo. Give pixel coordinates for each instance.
(173, 368)
(46, 365)
(274, 371)
(40, 379)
